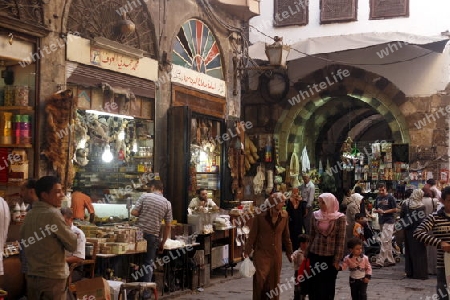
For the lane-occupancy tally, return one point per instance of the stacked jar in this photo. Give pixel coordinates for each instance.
(22, 129)
(21, 94)
(5, 128)
(9, 96)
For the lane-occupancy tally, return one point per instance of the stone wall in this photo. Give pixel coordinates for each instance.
(299, 123)
(167, 18)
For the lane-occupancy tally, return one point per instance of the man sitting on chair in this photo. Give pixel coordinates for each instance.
(202, 201)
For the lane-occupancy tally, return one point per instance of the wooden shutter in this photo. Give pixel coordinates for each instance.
(332, 11)
(383, 9)
(290, 12)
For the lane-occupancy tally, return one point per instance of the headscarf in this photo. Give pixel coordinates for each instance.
(274, 199)
(356, 198)
(331, 214)
(415, 200)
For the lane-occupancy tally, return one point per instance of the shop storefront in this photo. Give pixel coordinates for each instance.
(114, 131)
(18, 96)
(20, 38)
(196, 118)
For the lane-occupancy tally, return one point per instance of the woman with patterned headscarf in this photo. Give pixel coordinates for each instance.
(412, 213)
(326, 247)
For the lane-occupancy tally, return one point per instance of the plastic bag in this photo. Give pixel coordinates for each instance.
(247, 268)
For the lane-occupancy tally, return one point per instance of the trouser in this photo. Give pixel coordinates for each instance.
(322, 283)
(40, 288)
(358, 289)
(441, 288)
(307, 220)
(298, 295)
(387, 230)
(152, 247)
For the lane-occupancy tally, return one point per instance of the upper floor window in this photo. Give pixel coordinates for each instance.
(290, 12)
(382, 9)
(332, 11)
(195, 47)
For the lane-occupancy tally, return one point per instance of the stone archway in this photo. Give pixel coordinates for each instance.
(377, 92)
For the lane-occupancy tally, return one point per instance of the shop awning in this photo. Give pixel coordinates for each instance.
(94, 77)
(330, 44)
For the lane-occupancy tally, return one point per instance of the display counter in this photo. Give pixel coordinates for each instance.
(13, 281)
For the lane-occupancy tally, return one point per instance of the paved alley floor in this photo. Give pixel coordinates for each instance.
(386, 283)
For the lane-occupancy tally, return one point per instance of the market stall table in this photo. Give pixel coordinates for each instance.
(175, 266)
(118, 265)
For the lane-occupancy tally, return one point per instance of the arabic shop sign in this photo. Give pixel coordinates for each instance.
(199, 81)
(113, 61)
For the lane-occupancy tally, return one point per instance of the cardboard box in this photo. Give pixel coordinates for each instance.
(96, 288)
(141, 246)
(114, 288)
(131, 247)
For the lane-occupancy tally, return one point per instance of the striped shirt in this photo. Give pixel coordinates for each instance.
(153, 208)
(439, 224)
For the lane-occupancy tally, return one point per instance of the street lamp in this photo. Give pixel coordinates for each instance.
(277, 53)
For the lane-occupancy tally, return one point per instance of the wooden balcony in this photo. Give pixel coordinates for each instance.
(244, 9)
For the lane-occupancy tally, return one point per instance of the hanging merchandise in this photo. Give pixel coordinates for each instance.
(306, 166)
(376, 150)
(268, 150)
(251, 153)
(328, 167)
(294, 170)
(258, 181)
(269, 182)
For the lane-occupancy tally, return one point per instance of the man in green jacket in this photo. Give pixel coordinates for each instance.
(44, 239)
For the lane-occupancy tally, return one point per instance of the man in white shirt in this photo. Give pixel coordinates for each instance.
(79, 254)
(5, 218)
(202, 201)
(308, 190)
(434, 188)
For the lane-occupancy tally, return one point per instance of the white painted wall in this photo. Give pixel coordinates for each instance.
(424, 19)
(422, 76)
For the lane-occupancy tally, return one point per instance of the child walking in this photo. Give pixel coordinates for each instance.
(360, 269)
(297, 258)
(358, 229)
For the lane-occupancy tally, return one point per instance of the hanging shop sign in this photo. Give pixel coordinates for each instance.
(444, 175)
(15, 49)
(199, 81)
(110, 58)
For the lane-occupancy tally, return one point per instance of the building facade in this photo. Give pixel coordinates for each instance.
(368, 70)
(147, 49)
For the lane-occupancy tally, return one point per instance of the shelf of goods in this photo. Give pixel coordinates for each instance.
(239, 234)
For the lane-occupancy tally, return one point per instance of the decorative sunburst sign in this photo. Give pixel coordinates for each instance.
(195, 48)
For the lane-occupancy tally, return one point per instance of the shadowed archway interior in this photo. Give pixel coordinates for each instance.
(363, 105)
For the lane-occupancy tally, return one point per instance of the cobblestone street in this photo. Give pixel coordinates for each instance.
(386, 283)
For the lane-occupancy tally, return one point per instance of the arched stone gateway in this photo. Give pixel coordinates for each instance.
(375, 95)
(100, 19)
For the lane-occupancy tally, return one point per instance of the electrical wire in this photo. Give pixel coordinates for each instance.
(344, 62)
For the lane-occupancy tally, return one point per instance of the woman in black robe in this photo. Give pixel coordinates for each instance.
(295, 207)
(412, 213)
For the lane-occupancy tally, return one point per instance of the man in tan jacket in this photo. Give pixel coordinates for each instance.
(44, 237)
(270, 229)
